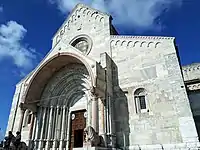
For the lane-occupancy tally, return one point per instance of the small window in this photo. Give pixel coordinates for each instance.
(29, 118)
(140, 100)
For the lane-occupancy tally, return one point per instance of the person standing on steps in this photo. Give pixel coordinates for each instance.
(11, 137)
(17, 139)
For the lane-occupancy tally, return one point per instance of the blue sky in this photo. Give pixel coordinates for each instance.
(27, 26)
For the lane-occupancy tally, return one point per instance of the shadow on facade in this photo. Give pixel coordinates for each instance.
(121, 111)
(194, 105)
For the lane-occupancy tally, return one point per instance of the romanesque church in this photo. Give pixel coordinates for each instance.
(96, 89)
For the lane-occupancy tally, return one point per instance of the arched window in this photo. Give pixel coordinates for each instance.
(27, 119)
(140, 100)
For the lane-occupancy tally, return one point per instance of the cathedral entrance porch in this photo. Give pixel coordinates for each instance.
(59, 95)
(61, 110)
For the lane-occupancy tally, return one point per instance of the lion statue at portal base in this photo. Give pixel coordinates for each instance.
(92, 139)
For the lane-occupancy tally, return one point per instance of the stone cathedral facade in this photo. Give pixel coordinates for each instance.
(130, 89)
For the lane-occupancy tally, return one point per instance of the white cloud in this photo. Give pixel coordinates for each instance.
(11, 37)
(132, 13)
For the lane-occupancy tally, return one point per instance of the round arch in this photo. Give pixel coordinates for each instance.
(41, 76)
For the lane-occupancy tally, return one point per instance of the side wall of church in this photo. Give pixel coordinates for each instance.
(191, 74)
(14, 117)
(15, 113)
(150, 63)
(194, 97)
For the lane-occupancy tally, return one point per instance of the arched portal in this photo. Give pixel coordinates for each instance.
(41, 76)
(59, 89)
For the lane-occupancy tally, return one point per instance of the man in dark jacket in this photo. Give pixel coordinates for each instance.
(17, 139)
(11, 137)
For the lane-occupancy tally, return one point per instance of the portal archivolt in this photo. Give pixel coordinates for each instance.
(66, 85)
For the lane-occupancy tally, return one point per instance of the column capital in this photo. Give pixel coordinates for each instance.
(34, 113)
(22, 107)
(92, 90)
(94, 98)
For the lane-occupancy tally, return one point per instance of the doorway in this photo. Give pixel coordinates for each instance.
(78, 142)
(78, 123)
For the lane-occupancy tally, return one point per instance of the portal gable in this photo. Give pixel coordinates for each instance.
(83, 19)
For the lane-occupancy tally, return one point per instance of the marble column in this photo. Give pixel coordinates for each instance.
(49, 128)
(37, 131)
(95, 118)
(34, 126)
(107, 116)
(111, 123)
(68, 129)
(110, 115)
(63, 127)
(102, 119)
(30, 144)
(26, 114)
(53, 122)
(47, 122)
(31, 125)
(21, 118)
(56, 129)
(42, 129)
(57, 122)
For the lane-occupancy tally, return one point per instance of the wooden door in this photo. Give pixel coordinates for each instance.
(78, 123)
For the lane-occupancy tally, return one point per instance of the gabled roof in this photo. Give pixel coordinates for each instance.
(80, 7)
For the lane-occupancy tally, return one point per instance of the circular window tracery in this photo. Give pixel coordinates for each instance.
(83, 43)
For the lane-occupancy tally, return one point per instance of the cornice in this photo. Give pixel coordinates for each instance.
(191, 68)
(193, 87)
(142, 37)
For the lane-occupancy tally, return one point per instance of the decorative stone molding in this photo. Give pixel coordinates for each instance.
(66, 83)
(138, 41)
(193, 87)
(142, 37)
(131, 44)
(82, 37)
(192, 67)
(80, 11)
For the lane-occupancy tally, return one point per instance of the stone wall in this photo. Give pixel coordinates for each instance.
(150, 63)
(86, 21)
(15, 113)
(14, 116)
(191, 72)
